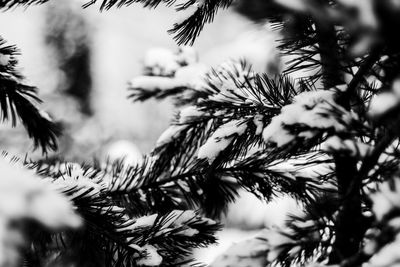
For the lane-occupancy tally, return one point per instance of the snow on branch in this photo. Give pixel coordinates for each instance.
(224, 125)
(382, 241)
(353, 148)
(310, 114)
(221, 139)
(25, 196)
(150, 240)
(169, 74)
(304, 239)
(232, 92)
(185, 180)
(385, 104)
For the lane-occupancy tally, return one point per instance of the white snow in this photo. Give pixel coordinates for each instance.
(221, 139)
(213, 147)
(386, 199)
(4, 59)
(258, 122)
(187, 55)
(298, 5)
(177, 224)
(45, 115)
(78, 182)
(188, 232)
(383, 103)
(276, 238)
(144, 221)
(183, 185)
(23, 195)
(154, 83)
(161, 62)
(152, 257)
(249, 252)
(188, 11)
(315, 110)
(396, 87)
(189, 113)
(183, 216)
(124, 150)
(230, 80)
(10, 241)
(274, 133)
(388, 256)
(257, 251)
(192, 76)
(304, 224)
(353, 147)
(53, 212)
(170, 133)
(249, 212)
(298, 166)
(168, 70)
(180, 218)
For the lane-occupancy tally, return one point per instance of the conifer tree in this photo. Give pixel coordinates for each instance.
(329, 139)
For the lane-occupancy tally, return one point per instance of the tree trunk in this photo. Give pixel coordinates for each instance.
(347, 229)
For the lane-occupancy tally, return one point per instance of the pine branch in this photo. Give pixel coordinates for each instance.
(107, 4)
(144, 94)
(260, 11)
(8, 4)
(311, 236)
(234, 94)
(16, 100)
(365, 68)
(214, 186)
(300, 42)
(188, 30)
(124, 239)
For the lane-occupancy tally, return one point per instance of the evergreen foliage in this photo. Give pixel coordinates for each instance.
(18, 100)
(329, 138)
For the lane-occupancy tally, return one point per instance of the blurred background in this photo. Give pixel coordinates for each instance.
(82, 60)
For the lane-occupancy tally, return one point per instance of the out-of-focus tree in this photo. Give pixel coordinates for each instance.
(68, 37)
